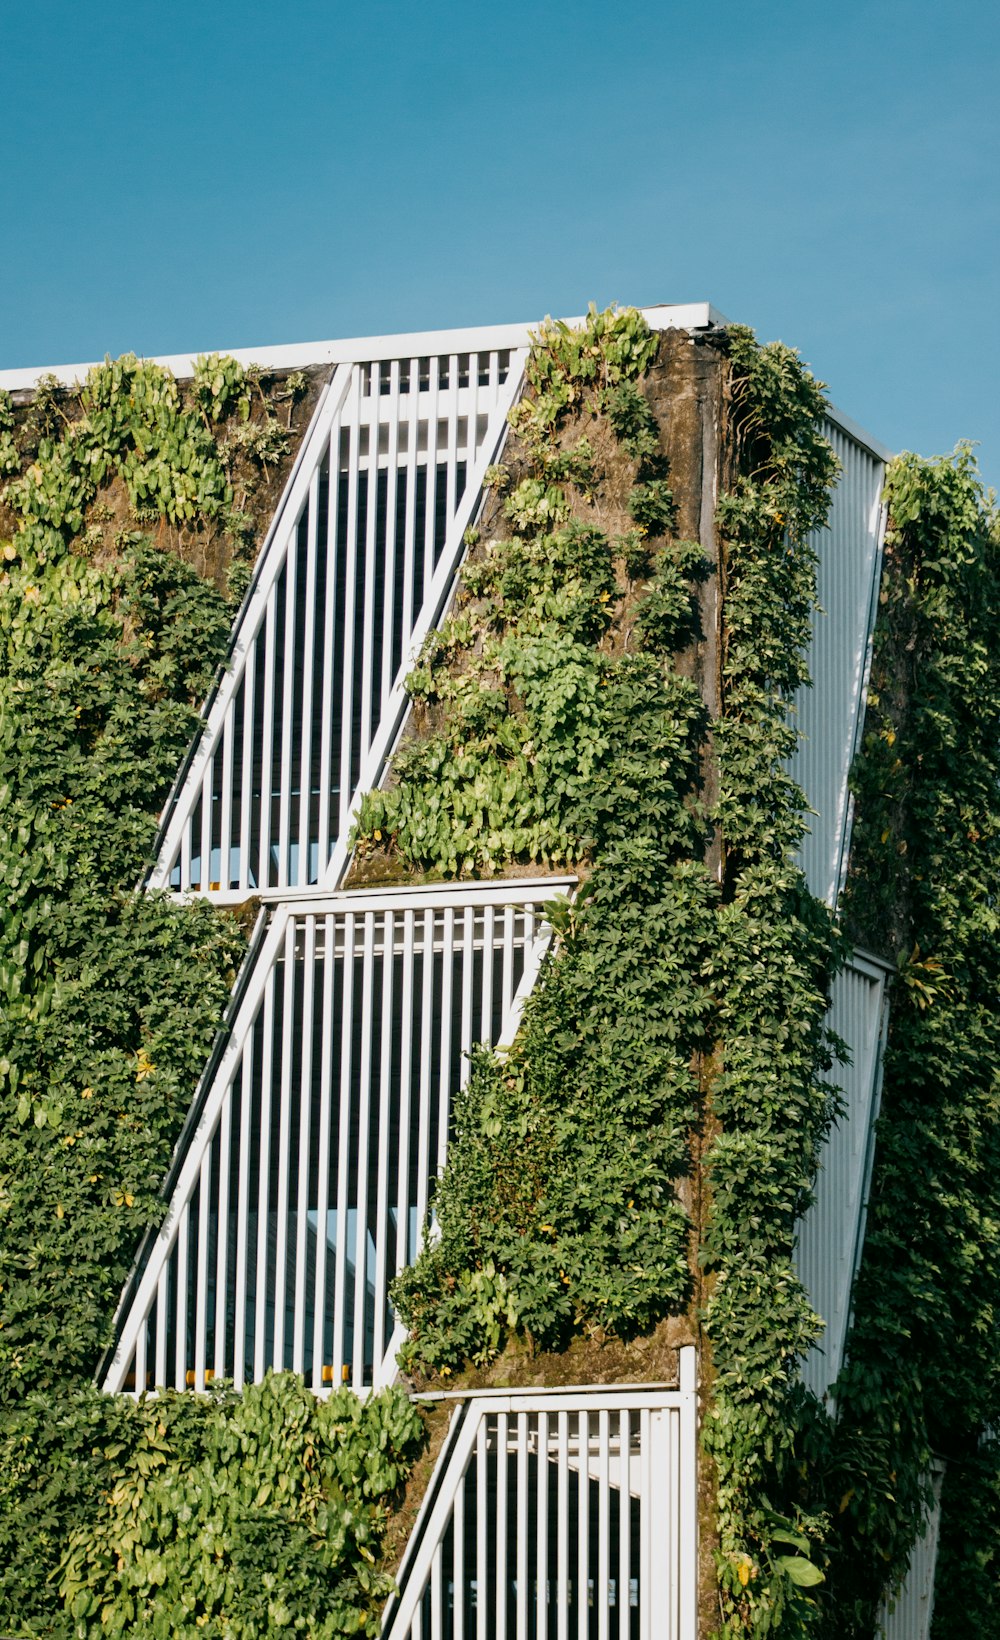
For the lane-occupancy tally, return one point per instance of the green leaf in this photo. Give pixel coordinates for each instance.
(802, 1572)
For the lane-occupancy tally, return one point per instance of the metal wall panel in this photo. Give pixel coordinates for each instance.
(561, 1515)
(832, 1231)
(359, 563)
(304, 1188)
(829, 714)
(910, 1617)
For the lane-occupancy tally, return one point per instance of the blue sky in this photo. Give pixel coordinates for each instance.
(194, 176)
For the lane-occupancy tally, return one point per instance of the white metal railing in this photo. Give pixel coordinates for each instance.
(564, 1514)
(303, 1188)
(359, 564)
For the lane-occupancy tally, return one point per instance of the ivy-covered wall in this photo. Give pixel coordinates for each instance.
(109, 1003)
(610, 691)
(610, 694)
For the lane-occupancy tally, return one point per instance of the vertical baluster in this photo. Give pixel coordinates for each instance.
(522, 1526)
(485, 1033)
(468, 976)
(308, 686)
(207, 788)
(222, 1236)
(483, 1603)
(242, 1212)
(305, 1144)
(181, 1301)
(645, 1527)
(323, 1153)
(542, 1529)
(583, 1534)
(427, 1019)
(410, 527)
(384, 1128)
(160, 1372)
(451, 501)
(502, 1560)
(430, 522)
(624, 1526)
(326, 749)
(371, 552)
(201, 1268)
(263, 1183)
(446, 1019)
(562, 1532)
(389, 611)
(284, 1145)
(246, 772)
(603, 1523)
(226, 820)
(350, 616)
(343, 1148)
(507, 982)
(361, 1242)
(458, 1563)
(406, 1089)
(287, 708)
(267, 741)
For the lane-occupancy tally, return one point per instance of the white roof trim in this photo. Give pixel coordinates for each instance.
(413, 344)
(416, 344)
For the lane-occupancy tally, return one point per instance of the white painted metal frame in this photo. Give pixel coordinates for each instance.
(309, 1175)
(360, 563)
(564, 1514)
(831, 1234)
(298, 355)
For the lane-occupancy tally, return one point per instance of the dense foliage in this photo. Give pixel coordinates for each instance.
(110, 1002)
(673, 1053)
(923, 1374)
(558, 728)
(770, 964)
(245, 1515)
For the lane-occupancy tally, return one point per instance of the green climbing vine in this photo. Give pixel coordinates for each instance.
(773, 957)
(554, 727)
(110, 1000)
(554, 724)
(923, 1374)
(671, 1083)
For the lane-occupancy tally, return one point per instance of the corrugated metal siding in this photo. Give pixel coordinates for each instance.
(831, 1232)
(910, 1619)
(829, 713)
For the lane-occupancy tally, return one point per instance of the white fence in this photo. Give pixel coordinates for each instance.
(303, 1187)
(558, 1515)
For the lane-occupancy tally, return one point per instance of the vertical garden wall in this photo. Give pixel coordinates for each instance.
(609, 694)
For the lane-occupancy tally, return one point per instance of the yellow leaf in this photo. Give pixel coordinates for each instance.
(60, 1211)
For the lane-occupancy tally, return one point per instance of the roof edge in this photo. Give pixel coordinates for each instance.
(416, 344)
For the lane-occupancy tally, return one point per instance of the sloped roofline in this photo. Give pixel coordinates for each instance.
(415, 344)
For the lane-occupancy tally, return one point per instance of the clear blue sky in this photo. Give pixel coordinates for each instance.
(190, 176)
